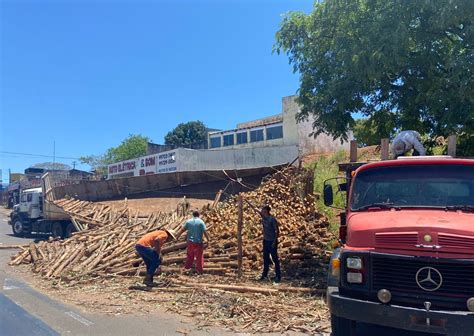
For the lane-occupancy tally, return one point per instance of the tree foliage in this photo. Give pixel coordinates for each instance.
(187, 133)
(369, 131)
(411, 58)
(131, 147)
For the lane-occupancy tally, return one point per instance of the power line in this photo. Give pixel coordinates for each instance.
(39, 155)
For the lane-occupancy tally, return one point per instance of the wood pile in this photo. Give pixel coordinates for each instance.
(304, 234)
(105, 244)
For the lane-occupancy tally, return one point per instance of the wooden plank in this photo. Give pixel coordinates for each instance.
(239, 236)
(384, 147)
(353, 151)
(452, 145)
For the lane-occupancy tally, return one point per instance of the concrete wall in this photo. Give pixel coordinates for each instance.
(195, 160)
(299, 133)
(177, 183)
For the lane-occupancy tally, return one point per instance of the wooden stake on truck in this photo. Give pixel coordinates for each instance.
(239, 235)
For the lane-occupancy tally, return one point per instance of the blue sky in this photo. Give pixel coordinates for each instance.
(86, 74)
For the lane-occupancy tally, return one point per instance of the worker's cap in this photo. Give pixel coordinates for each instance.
(172, 233)
(399, 148)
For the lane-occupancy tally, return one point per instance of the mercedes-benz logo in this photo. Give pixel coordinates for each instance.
(429, 279)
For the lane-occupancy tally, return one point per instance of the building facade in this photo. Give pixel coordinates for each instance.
(265, 142)
(277, 130)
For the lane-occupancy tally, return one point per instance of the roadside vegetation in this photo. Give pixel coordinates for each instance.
(326, 167)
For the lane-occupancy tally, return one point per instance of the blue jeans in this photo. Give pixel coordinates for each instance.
(268, 250)
(150, 257)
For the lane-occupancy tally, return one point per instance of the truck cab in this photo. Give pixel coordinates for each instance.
(406, 258)
(31, 203)
(35, 214)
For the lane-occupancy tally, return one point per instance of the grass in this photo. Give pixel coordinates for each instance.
(326, 167)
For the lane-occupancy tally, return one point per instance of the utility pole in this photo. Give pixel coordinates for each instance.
(73, 164)
(54, 155)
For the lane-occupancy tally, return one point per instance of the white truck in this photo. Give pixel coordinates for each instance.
(37, 214)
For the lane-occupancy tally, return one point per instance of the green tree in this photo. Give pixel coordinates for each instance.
(131, 147)
(369, 131)
(187, 133)
(412, 58)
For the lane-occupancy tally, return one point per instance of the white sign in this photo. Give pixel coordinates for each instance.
(166, 162)
(126, 168)
(146, 165)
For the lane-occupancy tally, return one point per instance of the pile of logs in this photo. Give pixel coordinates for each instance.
(105, 244)
(304, 234)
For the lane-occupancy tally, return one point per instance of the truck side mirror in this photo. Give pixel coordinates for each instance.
(328, 195)
(342, 186)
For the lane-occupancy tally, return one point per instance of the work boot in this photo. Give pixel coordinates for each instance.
(263, 278)
(148, 281)
(276, 280)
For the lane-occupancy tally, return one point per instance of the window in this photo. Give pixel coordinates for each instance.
(29, 197)
(275, 132)
(256, 135)
(242, 138)
(229, 140)
(216, 142)
(401, 186)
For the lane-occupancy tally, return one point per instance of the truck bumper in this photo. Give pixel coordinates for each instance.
(451, 323)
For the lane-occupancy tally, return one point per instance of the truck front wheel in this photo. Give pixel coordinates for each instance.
(57, 230)
(69, 230)
(17, 227)
(342, 327)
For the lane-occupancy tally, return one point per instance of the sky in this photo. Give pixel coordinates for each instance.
(77, 77)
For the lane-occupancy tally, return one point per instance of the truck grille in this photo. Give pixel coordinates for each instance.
(397, 240)
(455, 241)
(398, 274)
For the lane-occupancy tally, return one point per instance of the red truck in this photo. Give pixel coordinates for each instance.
(406, 259)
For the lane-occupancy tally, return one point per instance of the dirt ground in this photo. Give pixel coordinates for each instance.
(155, 204)
(238, 312)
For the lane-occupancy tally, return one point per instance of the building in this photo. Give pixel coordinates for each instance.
(153, 148)
(277, 130)
(270, 141)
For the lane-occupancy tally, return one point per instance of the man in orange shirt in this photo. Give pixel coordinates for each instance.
(149, 248)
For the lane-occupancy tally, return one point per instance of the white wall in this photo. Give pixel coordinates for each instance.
(218, 159)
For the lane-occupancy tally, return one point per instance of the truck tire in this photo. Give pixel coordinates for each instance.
(342, 327)
(70, 228)
(57, 230)
(18, 227)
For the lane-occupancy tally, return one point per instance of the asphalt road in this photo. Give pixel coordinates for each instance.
(26, 311)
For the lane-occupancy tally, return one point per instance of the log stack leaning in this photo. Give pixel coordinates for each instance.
(104, 244)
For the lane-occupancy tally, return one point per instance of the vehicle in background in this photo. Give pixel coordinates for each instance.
(36, 214)
(406, 258)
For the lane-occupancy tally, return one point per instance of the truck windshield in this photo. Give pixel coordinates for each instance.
(439, 186)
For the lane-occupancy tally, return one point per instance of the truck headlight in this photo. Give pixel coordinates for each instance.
(355, 278)
(336, 267)
(354, 263)
(470, 304)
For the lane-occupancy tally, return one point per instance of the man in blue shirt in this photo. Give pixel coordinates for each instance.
(195, 248)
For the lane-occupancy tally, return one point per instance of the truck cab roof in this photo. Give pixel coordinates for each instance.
(417, 160)
(33, 190)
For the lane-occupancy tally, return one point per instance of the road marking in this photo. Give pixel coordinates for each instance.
(9, 284)
(79, 318)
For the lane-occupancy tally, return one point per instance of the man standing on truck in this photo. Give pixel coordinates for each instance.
(406, 141)
(149, 248)
(271, 233)
(195, 247)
